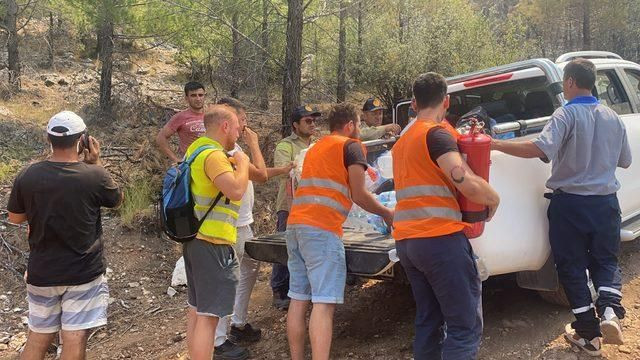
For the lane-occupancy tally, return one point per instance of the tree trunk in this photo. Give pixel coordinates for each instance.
(586, 25)
(360, 26)
(264, 60)
(235, 59)
(51, 49)
(105, 44)
(341, 92)
(293, 63)
(12, 45)
(356, 70)
(401, 21)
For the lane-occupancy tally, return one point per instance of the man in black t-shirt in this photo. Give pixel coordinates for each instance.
(61, 199)
(434, 252)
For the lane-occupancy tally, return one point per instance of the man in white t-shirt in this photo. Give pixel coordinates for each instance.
(241, 331)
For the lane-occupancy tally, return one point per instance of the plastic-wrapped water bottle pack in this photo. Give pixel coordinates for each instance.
(360, 220)
(387, 199)
(377, 174)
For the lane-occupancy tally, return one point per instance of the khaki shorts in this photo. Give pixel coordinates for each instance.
(68, 308)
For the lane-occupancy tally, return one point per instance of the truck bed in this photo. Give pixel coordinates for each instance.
(367, 254)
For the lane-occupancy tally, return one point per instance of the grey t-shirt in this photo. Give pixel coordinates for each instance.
(585, 141)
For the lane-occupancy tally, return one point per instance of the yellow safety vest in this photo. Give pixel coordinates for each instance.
(220, 225)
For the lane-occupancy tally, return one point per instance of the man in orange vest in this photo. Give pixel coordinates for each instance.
(332, 178)
(434, 252)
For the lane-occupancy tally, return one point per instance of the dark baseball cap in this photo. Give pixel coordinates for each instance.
(372, 104)
(304, 111)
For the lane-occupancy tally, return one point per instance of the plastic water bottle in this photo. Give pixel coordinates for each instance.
(357, 219)
(372, 179)
(387, 196)
(378, 224)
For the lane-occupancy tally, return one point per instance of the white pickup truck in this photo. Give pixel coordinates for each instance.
(520, 97)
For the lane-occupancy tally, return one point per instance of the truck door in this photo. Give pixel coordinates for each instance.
(632, 77)
(610, 91)
(615, 88)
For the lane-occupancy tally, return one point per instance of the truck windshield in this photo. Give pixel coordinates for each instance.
(520, 99)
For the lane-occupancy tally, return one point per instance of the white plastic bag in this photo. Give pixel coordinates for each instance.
(385, 165)
(299, 161)
(179, 276)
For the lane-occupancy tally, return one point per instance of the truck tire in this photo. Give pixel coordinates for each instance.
(559, 297)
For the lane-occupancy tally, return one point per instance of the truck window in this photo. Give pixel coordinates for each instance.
(520, 99)
(610, 92)
(634, 79)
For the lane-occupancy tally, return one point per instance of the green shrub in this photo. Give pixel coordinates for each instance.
(8, 170)
(138, 198)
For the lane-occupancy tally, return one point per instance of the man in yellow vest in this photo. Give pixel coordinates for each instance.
(332, 179)
(437, 257)
(210, 260)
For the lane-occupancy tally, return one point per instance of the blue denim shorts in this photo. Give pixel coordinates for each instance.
(316, 264)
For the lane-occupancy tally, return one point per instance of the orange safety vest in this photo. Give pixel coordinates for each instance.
(323, 198)
(427, 205)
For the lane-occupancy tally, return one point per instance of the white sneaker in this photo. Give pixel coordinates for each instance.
(611, 328)
(593, 347)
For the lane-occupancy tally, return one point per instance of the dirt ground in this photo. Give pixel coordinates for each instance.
(375, 322)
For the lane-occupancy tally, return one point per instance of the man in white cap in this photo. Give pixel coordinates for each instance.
(61, 199)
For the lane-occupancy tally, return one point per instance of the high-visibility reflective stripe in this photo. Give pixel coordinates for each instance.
(583, 309)
(427, 212)
(321, 200)
(608, 289)
(423, 190)
(324, 183)
(206, 201)
(217, 216)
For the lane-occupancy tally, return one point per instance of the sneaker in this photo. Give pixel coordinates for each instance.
(281, 301)
(230, 351)
(245, 335)
(611, 328)
(593, 347)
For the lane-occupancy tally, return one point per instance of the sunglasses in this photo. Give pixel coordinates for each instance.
(310, 121)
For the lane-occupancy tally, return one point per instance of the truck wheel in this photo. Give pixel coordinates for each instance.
(559, 297)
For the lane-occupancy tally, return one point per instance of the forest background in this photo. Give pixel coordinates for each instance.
(286, 51)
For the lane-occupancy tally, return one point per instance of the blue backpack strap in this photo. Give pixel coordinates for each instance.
(198, 151)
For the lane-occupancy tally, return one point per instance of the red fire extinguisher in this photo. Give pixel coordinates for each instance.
(475, 147)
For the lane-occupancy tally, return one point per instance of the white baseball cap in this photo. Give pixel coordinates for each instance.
(65, 123)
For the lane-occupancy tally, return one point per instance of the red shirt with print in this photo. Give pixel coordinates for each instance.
(189, 125)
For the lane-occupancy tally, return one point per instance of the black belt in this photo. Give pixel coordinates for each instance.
(549, 195)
